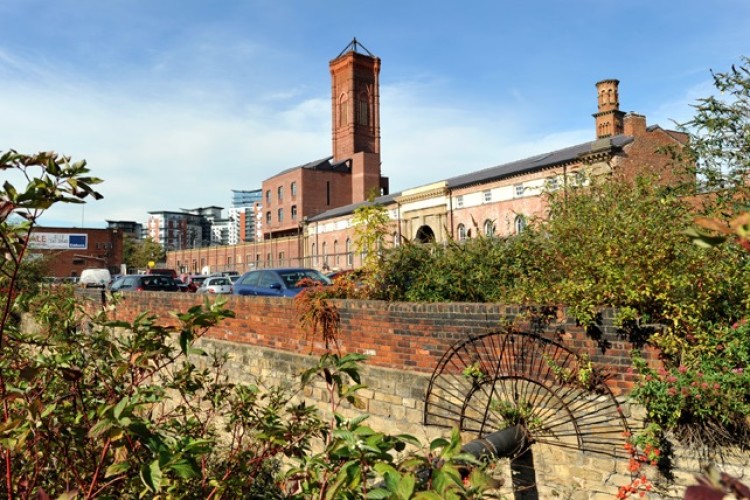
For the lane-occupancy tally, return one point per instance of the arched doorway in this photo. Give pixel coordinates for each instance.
(425, 234)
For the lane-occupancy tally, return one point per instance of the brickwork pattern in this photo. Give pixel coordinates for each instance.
(405, 342)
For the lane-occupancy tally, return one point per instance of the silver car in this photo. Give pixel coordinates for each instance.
(218, 285)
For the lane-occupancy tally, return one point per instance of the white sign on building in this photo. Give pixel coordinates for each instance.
(58, 241)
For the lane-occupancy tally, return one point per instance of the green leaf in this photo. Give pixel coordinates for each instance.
(151, 476)
(383, 468)
(438, 443)
(120, 407)
(406, 487)
(378, 494)
(116, 469)
(185, 469)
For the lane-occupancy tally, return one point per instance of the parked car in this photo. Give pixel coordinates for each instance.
(95, 278)
(163, 272)
(144, 282)
(215, 284)
(276, 282)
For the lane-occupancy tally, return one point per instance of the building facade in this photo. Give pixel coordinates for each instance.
(69, 250)
(243, 216)
(307, 214)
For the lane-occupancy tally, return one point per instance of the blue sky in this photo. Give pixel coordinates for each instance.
(176, 102)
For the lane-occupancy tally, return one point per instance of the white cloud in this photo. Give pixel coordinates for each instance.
(159, 153)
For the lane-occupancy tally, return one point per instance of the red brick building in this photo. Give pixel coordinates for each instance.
(70, 250)
(307, 210)
(352, 174)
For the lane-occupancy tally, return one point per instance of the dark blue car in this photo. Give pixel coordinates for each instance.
(276, 282)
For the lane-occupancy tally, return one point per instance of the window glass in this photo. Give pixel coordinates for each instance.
(461, 232)
(251, 278)
(489, 228)
(487, 196)
(520, 223)
(267, 279)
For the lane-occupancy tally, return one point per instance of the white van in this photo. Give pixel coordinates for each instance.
(95, 278)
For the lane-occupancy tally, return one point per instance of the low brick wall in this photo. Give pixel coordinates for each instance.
(404, 343)
(398, 335)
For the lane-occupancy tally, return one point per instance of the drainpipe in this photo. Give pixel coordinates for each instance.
(317, 244)
(450, 210)
(511, 442)
(505, 443)
(398, 222)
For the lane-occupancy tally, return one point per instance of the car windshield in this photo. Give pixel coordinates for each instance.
(219, 281)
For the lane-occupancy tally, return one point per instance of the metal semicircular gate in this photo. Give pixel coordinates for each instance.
(493, 381)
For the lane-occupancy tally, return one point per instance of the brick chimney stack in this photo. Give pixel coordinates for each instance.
(609, 118)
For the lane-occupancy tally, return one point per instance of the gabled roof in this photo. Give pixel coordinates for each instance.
(322, 164)
(676, 135)
(538, 162)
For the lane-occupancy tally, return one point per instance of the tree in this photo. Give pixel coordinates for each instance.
(137, 253)
(371, 223)
(719, 131)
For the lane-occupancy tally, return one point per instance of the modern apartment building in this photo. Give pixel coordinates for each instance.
(245, 224)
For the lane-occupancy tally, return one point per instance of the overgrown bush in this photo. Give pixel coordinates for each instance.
(706, 394)
(97, 408)
(478, 270)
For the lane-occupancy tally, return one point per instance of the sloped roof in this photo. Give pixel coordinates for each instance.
(534, 163)
(538, 162)
(322, 164)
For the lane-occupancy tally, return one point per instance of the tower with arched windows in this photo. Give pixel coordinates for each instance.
(609, 118)
(355, 100)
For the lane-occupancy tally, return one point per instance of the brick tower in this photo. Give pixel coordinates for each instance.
(609, 118)
(355, 101)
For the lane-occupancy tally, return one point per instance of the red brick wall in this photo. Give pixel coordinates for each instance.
(105, 247)
(647, 154)
(402, 336)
